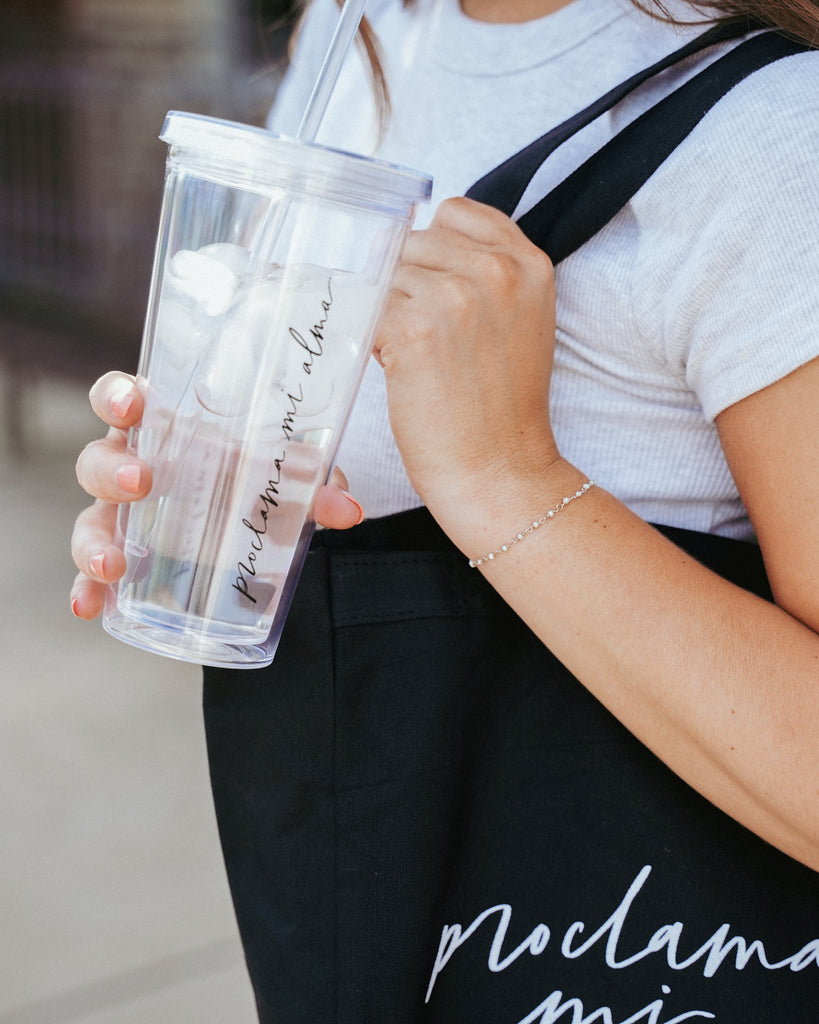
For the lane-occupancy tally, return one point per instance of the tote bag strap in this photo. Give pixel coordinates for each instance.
(559, 223)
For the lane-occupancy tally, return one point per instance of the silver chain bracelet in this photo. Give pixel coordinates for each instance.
(473, 564)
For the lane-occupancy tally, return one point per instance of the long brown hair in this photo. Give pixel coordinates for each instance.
(796, 18)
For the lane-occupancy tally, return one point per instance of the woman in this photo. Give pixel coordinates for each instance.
(577, 779)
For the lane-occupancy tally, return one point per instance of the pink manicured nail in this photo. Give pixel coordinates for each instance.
(75, 607)
(121, 403)
(97, 565)
(350, 498)
(128, 478)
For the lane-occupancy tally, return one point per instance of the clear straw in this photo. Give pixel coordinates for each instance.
(346, 28)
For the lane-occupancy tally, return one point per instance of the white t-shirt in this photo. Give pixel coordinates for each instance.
(701, 291)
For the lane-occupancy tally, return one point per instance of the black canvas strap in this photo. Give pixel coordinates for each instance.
(504, 186)
(587, 200)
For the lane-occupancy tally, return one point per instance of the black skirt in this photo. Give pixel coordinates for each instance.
(426, 818)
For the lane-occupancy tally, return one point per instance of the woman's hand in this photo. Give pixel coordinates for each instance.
(467, 347)
(111, 473)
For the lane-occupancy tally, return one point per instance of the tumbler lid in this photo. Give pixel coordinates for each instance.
(246, 155)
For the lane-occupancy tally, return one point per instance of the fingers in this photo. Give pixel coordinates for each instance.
(460, 230)
(109, 472)
(96, 556)
(478, 222)
(335, 507)
(338, 479)
(469, 253)
(106, 469)
(92, 543)
(117, 400)
(87, 598)
(471, 262)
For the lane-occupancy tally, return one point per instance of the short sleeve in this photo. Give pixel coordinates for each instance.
(740, 300)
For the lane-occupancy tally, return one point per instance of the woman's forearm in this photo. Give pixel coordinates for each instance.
(720, 684)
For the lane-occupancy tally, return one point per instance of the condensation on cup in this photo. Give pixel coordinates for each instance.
(273, 264)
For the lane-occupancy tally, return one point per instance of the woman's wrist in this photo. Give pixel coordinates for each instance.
(542, 519)
(500, 511)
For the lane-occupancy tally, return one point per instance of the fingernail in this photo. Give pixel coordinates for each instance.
(351, 499)
(97, 565)
(128, 478)
(75, 607)
(121, 403)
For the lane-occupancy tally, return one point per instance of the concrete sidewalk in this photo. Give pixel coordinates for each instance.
(113, 899)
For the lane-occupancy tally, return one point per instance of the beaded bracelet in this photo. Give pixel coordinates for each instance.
(533, 526)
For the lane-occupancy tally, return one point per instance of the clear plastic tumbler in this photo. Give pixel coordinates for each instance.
(273, 264)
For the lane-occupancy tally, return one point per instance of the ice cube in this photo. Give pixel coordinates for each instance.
(275, 342)
(228, 380)
(181, 334)
(206, 281)
(235, 257)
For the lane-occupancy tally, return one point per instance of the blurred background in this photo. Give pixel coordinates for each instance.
(113, 902)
